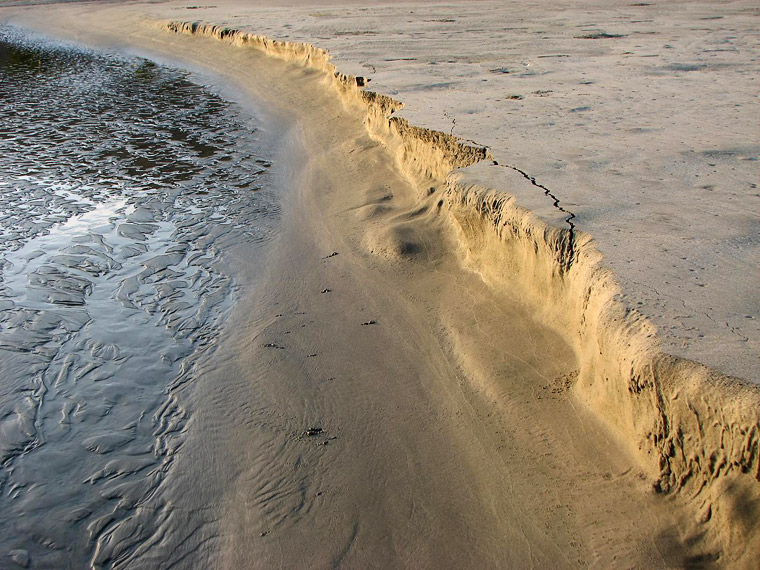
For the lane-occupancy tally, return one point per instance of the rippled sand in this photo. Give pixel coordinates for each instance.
(420, 373)
(122, 184)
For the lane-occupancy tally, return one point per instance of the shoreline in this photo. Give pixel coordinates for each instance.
(694, 431)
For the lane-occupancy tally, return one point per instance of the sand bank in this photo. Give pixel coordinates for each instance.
(465, 349)
(639, 117)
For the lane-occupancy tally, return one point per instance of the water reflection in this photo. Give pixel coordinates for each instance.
(121, 185)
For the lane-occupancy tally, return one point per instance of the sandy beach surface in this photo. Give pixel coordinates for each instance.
(641, 118)
(498, 367)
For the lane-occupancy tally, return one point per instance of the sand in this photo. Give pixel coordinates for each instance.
(650, 139)
(426, 374)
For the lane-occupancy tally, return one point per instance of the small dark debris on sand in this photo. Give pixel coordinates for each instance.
(312, 431)
(599, 36)
(333, 254)
(326, 290)
(311, 355)
(273, 345)
(372, 322)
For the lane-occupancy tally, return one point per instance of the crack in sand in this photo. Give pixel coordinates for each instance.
(453, 123)
(556, 202)
(734, 330)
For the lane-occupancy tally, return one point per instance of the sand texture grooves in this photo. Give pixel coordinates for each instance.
(485, 398)
(695, 429)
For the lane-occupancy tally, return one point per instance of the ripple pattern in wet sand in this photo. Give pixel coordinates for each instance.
(122, 184)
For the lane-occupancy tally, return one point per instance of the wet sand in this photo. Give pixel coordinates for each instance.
(426, 375)
(114, 285)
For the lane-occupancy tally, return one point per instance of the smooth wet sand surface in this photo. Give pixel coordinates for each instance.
(382, 398)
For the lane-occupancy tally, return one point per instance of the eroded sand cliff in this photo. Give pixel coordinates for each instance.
(460, 315)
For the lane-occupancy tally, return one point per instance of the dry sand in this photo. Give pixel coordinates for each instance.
(486, 396)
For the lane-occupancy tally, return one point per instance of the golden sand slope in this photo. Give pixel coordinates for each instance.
(693, 428)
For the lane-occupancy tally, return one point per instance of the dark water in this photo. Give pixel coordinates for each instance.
(122, 184)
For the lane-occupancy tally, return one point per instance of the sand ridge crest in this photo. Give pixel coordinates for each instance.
(445, 150)
(697, 429)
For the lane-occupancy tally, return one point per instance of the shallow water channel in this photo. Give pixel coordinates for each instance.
(122, 183)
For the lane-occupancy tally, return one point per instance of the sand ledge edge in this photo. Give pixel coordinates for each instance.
(695, 430)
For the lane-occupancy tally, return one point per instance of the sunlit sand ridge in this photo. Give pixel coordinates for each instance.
(427, 374)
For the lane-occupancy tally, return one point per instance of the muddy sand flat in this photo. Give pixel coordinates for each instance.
(424, 374)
